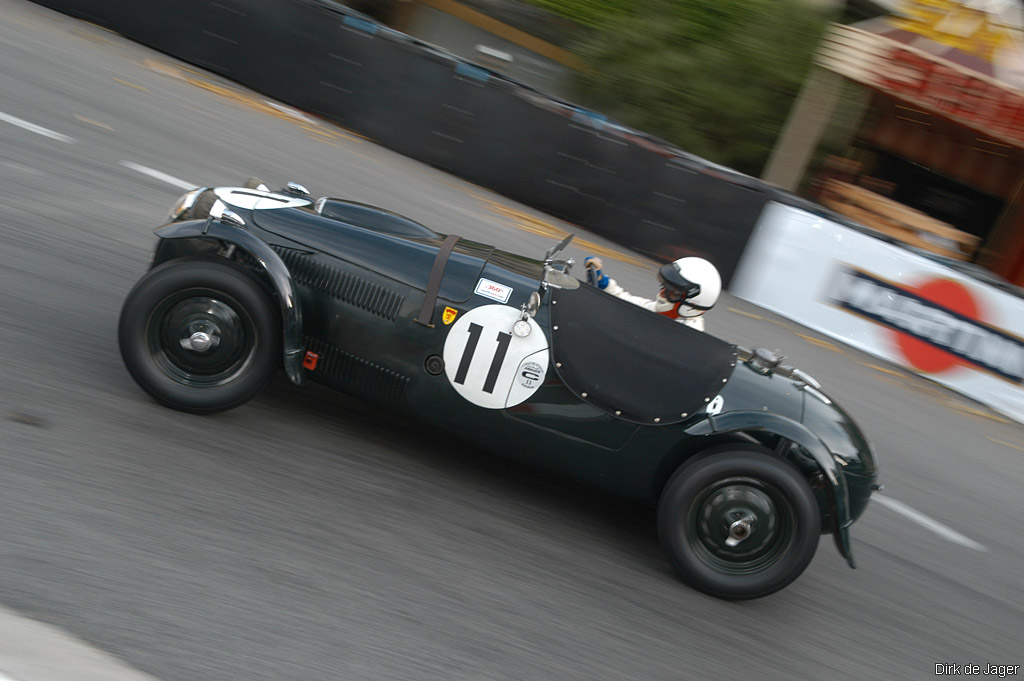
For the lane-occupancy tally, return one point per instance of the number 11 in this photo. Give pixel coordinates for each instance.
(503, 340)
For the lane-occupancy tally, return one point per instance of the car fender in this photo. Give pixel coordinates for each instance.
(277, 271)
(747, 421)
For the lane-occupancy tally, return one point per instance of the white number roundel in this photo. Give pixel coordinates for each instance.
(488, 364)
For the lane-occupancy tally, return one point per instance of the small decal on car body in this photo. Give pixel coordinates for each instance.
(488, 365)
(493, 290)
(530, 374)
(715, 406)
(448, 316)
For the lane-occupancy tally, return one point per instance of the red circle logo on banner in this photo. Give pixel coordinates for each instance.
(952, 296)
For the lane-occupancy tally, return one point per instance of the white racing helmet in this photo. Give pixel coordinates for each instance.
(693, 283)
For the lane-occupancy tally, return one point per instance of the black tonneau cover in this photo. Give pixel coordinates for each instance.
(633, 363)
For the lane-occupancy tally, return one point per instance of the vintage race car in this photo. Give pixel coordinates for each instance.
(747, 461)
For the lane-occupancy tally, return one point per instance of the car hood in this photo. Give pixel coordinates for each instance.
(403, 258)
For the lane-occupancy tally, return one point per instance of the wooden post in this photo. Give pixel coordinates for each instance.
(807, 121)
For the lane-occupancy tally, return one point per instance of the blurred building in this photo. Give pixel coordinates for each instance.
(913, 124)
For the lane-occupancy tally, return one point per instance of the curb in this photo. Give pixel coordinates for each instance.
(33, 651)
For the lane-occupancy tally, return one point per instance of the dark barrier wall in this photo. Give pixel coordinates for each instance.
(321, 57)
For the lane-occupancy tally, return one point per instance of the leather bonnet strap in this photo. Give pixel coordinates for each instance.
(434, 283)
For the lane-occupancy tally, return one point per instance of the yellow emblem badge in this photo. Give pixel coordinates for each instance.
(449, 315)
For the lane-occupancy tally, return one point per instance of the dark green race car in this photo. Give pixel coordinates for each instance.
(747, 461)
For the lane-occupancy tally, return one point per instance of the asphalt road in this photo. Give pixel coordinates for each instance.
(308, 536)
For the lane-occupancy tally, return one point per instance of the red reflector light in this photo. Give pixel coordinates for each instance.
(309, 362)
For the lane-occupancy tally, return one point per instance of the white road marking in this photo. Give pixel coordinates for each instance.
(37, 129)
(926, 522)
(157, 175)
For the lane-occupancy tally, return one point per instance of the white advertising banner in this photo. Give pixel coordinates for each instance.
(888, 301)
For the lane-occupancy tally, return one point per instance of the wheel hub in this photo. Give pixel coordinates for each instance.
(740, 530)
(200, 341)
(738, 526)
(201, 338)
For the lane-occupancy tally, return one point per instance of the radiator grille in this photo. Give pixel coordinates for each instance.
(366, 295)
(376, 380)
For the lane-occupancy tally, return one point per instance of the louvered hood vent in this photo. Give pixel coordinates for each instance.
(377, 381)
(346, 287)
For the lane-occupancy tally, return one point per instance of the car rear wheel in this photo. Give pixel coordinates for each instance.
(739, 523)
(201, 336)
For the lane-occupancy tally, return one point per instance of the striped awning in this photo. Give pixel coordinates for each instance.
(927, 82)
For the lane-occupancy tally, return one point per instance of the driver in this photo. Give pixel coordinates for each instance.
(689, 288)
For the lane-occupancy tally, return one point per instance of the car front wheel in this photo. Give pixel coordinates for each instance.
(739, 523)
(200, 336)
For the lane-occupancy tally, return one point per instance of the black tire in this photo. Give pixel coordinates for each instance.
(182, 298)
(253, 183)
(739, 522)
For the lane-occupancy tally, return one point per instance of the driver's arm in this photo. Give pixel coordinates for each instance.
(596, 275)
